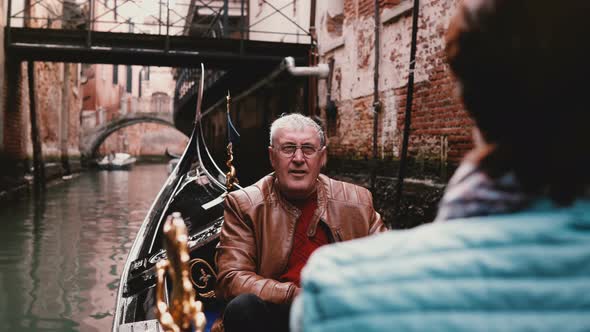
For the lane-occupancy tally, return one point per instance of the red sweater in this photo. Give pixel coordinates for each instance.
(303, 245)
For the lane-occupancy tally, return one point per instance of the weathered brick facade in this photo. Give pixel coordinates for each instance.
(88, 89)
(105, 99)
(50, 87)
(14, 124)
(440, 130)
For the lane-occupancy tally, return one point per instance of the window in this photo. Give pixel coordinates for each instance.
(331, 25)
(335, 18)
(395, 9)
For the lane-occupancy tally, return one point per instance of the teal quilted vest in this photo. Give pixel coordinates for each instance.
(528, 271)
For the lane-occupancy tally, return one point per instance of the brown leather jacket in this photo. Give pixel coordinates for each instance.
(257, 234)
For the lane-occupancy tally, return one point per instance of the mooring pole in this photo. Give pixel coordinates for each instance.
(242, 23)
(89, 26)
(409, 98)
(64, 120)
(167, 44)
(8, 13)
(39, 168)
(312, 82)
(225, 18)
(376, 102)
(8, 19)
(160, 17)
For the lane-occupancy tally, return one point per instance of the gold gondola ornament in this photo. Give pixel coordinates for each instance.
(183, 313)
(230, 177)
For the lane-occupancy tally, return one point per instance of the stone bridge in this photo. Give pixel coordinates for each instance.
(92, 139)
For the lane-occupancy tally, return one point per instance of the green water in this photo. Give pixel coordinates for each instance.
(61, 256)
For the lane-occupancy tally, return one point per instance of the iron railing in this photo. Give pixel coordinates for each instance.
(208, 19)
(214, 18)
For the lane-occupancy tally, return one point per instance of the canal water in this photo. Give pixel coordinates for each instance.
(61, 256)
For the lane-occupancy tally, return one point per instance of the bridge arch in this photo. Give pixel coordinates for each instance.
(92, 139)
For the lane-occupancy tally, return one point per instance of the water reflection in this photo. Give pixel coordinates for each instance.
(61, 255)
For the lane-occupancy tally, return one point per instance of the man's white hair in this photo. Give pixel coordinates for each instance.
(296, 121)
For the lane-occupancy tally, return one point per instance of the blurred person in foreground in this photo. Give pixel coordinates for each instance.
(272, 227)
(510, 250)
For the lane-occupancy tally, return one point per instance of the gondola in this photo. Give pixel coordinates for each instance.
(195, 188)
(172, 162)
(116, 161)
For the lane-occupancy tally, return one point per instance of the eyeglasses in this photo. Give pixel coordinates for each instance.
(288, 150)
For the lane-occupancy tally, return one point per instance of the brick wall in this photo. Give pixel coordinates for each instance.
(15, 133)
(438, 122)
(97, 91)
(440, 130)
(75, 108)
(350, 7)
(49, 83)
(49, 87)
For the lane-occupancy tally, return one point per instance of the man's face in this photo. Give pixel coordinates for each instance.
(297, 173)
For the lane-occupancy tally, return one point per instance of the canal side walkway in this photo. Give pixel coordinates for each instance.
(423, 187)
(16, 180)
(419, 202)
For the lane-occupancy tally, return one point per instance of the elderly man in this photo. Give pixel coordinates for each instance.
(272, 227)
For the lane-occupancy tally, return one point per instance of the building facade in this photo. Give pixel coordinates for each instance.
(114, 90)
(440, 130)
(57, 96)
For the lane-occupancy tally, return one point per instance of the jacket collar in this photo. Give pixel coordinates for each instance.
(277, 197)
(473, 193)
